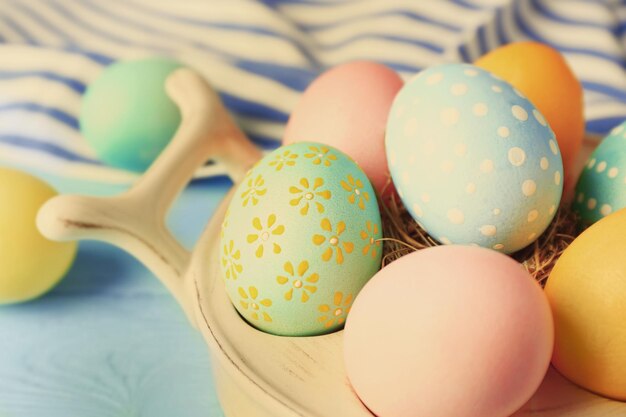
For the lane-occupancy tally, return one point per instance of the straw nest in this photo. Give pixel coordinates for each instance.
(402, 235)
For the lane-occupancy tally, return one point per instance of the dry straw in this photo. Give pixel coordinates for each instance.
(403, 235)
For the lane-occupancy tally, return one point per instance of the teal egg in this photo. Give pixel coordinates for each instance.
(300, 239)
(126, 116)
(601, 188)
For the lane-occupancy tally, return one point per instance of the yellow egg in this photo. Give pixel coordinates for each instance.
(541, 73)
(30, 264)
(587, 292)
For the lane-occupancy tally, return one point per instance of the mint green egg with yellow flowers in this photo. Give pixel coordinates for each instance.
(301, 237)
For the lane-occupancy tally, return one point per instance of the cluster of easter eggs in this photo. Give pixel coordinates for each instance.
(479, 156)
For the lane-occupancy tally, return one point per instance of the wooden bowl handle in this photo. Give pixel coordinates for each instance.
(135, 220)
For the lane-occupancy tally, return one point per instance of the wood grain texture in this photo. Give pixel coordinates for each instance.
(109, 341)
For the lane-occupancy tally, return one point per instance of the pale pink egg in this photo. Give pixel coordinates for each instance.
(347, 107)
(449, 331)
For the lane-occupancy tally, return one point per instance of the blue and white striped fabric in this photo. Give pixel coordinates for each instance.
(261, 55)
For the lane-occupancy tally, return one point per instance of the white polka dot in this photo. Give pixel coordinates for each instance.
(519, 93)
(504, 132)
(498, 246)
(447, 166)
(580, 198)
(601, 166)
(449, 116)
(539, 117)
(458, 89)
(497, 211)
(496, 89)
(434, 79)
(480, 109)
(613, 172)
(460, 149)
(410, 127)
(425, 197)
(553, 147)
(532, 216)
(488, 230)
(417, 210)
(544, 163)
(445, 240)
(486, 166)
(392, 158)
(519, 113)
(617, 130)
(557, 177)
(532, 236)
(517, 156)
(471, 72)
(552, 209)
(606, 209)
(405, 177)
(456, 216)
(591, 163)
(470, 188)
(591, 203)
(529, 187)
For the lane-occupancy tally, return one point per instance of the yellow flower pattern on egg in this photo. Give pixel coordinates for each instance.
(333, 242)
(297, 244)
(298, 282)
(356, 193)
(337, 312)
(305, 195)
(230, 261)
(253, 307)
(286, 158)
(321, 155)
(372, 245)
(265, 233)
(254, 191)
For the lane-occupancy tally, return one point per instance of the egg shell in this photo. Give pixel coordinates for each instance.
(542, 74)
(472, 159)
(347, 107)
(30, 264)
(300, 240)
(449, 331)
(601, 188)
(587, 293)
(126, 115)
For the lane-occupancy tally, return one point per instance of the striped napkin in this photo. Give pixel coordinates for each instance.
(260, 55)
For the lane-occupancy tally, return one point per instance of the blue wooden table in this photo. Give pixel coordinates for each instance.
(109, 341)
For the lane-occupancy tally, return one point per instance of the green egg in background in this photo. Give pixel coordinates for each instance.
(300, 239)
(126, 115)
(601, 188)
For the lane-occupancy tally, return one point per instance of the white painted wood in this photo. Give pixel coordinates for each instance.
(257, 375)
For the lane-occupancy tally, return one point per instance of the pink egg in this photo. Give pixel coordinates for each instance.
(347, 107)
(449, 331)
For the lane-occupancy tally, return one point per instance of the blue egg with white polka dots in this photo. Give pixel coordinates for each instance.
(473, 160)
(601, 188)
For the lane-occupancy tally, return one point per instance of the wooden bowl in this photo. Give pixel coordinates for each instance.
(256, 374)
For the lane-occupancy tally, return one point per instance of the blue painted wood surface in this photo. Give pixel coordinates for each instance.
(109, 341)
